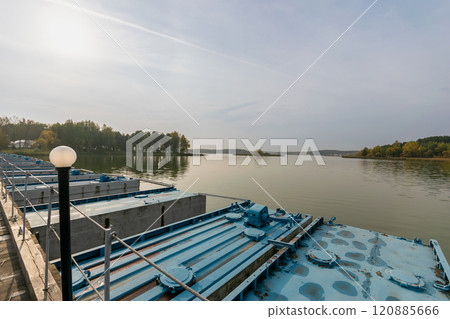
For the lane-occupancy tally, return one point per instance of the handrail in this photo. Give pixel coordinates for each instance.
(26, 199)
(107, 231)
(79, 268)
(442, 264)
(45, 184)
(222, 196)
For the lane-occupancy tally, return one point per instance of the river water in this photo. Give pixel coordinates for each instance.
(402, 198)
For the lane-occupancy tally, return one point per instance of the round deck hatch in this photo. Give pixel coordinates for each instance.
(254, 233)
(185, 275)
(233, 216)
(78, 279)
(405, 279)
(321, 257)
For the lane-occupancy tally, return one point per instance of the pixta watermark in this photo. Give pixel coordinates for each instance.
(308, 152)
(149, 145)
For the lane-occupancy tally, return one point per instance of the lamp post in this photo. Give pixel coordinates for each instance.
(63, 157)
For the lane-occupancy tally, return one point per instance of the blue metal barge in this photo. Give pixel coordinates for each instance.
(129, 213)
(96, 200)
(38, 194)
(248, 252)
(36, 171)
(16, 165)
(25, 162)
(368, 266)
(75, 175)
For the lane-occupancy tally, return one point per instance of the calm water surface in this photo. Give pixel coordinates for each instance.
(403, 198)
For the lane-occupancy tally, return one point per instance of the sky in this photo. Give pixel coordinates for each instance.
(209, 69)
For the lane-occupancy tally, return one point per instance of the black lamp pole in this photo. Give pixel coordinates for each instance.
(64, 232)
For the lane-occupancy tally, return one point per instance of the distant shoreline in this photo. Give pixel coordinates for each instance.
(34, 152)
(41, 153)
(441, 159)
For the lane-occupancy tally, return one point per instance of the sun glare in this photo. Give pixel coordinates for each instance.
(66, 37)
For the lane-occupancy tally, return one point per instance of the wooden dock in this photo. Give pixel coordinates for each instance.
(22, 263)
(13, 285)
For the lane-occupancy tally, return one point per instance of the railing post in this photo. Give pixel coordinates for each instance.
(107, 264)
(13, 185)
(25, 196)
(6, 187)
(3, 179)
(47, 239)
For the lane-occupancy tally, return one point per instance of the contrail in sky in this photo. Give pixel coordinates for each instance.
(314, 62)
(161, 35)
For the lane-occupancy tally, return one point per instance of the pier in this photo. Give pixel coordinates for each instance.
(98, 203)
(12, 279)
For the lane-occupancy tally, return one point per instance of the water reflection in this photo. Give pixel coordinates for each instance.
(176, 168)
(432, 176)
(101, 163)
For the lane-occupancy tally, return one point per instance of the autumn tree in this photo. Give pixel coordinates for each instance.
(411, 149)
(82, 136)
(378, 151)
(184, 144)
(4, 141)
(364, 152)
(395, 150)
(46, 140)
(433, 146)
(174, 142)
(442, 147)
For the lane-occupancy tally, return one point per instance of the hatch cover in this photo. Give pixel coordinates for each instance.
(233, 216)
(78, 279)
(405, 279)
(185, 275)
(254, 233)
(321, 257)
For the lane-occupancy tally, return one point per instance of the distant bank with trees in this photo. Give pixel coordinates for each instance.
(83, 136)
(430, 147)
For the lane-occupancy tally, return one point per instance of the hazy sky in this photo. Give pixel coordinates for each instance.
(225, 62)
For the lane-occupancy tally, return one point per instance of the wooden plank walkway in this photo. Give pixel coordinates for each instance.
(22, 263)
(13, 285)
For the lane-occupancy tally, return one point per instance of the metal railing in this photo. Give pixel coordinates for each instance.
(108, 233)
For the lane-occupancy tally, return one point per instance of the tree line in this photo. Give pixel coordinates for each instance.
(434, 146)
(82, 136)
